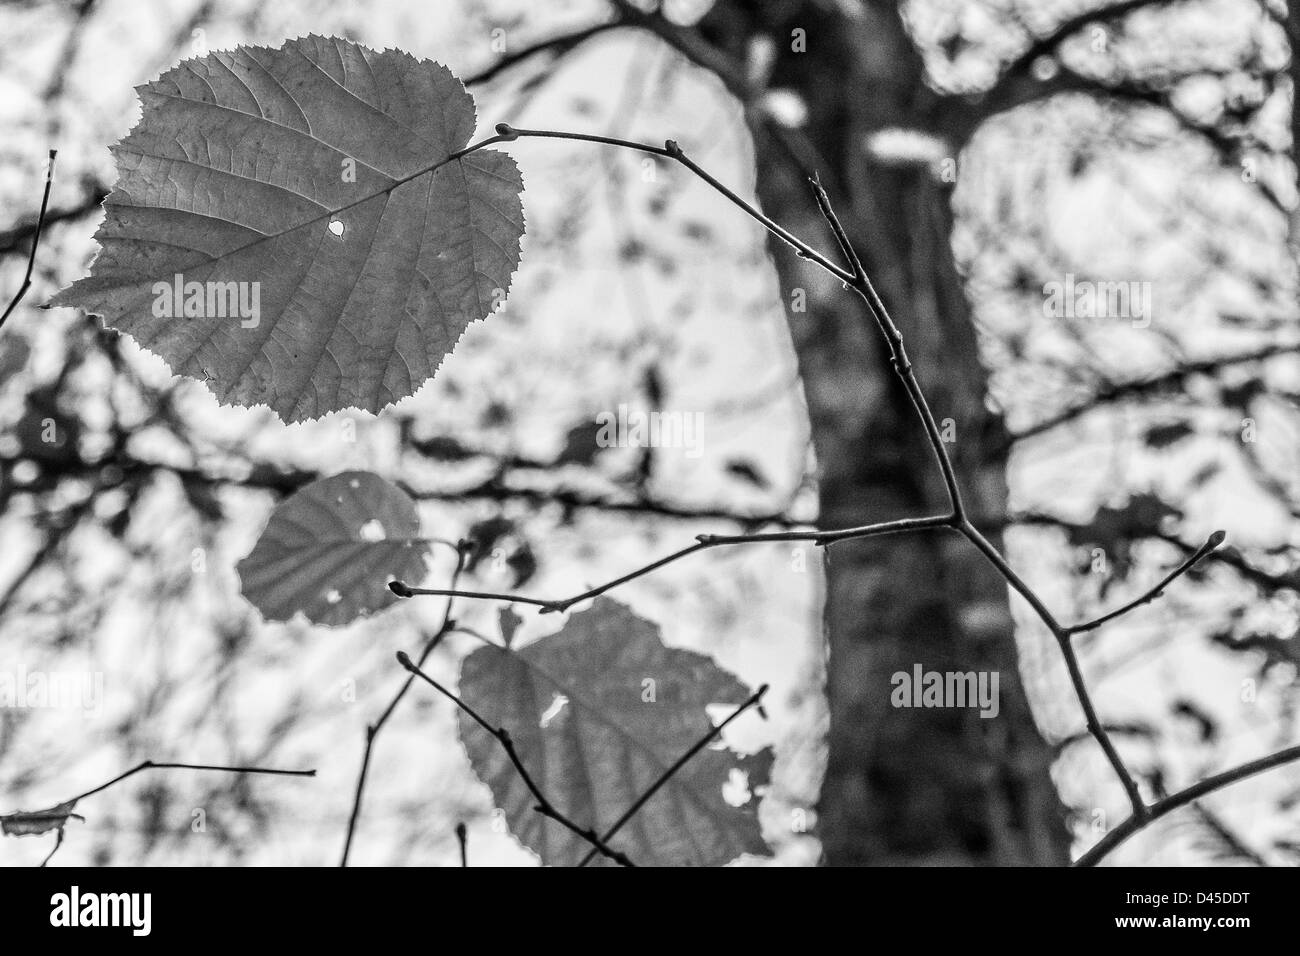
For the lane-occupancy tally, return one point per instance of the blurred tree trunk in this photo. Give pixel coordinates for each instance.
(903, 786)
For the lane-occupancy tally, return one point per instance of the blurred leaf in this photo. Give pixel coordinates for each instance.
(523, 563)
(1116, 529)
(1162, 436)
(442, 448)
(318, 175)
(203, 499)
(14, 352)
(746, 471)
(44, 432)
(633, 708)
(484, 535)
(1206, 726)
(580, 447)
(509, 622)
(36, 822)
(330, 549)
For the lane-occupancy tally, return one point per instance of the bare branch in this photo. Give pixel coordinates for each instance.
(372, 731)
(1167, 805)
(56, 817)
(703, 542)
(1138, 388)
(558, 45)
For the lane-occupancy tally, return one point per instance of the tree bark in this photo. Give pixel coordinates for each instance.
(903, 786)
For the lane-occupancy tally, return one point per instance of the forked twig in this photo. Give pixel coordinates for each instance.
(855, 277)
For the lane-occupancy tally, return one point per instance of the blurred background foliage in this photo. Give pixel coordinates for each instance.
(1030, 140)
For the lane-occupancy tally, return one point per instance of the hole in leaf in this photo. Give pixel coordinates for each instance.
(558, 703)
(372, 530)
(337, 227)
(333, 596)
(736, 790)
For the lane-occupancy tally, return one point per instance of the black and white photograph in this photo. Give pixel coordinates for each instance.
(455, 434)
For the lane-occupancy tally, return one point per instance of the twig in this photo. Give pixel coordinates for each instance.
(668, 774)
(861, 284)
(1161, 807)
(1211, 543)
(151, 765)
(544, 806)
(462, 837)
(558, 44)
(372, 730)
(58, 815)
(36, 241)
(702, 543)
(856, 278)
(1119, 391)
(670, 150)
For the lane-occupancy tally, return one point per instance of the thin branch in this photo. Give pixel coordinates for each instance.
(1220, 831)
(558, 45)
(861, 284)
(36, 241)
(58, 815)
(372, 731)
(1048, 43)
(58, 842)
(670, 150)
(1146, 386)
(544, 806)
(702, 542)
(754, 700)
(903, 370)
(1210, 544)
(1161, 807)
(462, 837)
(151, 765)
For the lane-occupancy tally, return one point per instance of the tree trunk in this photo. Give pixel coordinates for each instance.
(903, 786)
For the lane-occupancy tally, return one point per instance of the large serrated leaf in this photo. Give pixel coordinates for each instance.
(597, 713)
(244, 166)
(330, 549)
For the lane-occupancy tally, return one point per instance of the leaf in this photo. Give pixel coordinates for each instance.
(330, 549)
(747, 471)
(14, 353)
(1162, 436)
(36, 822)
(509, 622)
(241, 162)
(575, 704)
